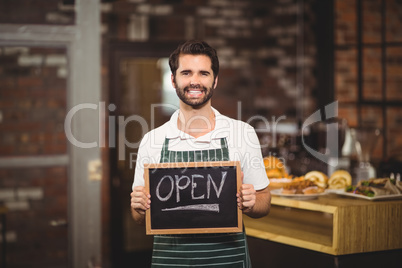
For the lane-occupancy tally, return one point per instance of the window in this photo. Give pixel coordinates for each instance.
(368, 68)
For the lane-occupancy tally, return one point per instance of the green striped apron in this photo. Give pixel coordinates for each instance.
(225, 250)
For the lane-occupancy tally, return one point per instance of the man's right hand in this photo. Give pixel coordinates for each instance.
(140, 200)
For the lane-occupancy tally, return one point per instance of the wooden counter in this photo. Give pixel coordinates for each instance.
(331, 224)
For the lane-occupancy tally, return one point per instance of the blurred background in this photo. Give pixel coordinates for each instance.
(281, 61)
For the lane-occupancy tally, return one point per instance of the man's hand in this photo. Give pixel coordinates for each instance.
(253, 203)
(246, 197)
(140, 202)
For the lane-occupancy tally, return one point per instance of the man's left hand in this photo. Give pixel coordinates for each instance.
(246, 197)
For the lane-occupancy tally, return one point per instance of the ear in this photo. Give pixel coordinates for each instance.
(216, 82)
(172, 79)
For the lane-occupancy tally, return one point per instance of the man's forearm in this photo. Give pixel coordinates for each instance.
(138, 218)
(262, 204)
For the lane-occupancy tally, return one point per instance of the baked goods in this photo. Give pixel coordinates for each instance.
(339, 180)
(313, 190)
(278, 183)
(274, 167)
(318, 178)
(297, 187)
(313, 182)
(274, 173)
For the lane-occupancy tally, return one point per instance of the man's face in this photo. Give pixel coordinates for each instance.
(194, 81)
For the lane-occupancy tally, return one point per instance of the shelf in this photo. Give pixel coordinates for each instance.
(331, 224)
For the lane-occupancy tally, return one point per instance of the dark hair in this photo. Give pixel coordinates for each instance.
(194, 47)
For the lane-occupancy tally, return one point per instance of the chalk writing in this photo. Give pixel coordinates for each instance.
(175, 183)
(201, 207)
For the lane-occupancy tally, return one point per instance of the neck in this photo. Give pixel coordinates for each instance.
(196, 121)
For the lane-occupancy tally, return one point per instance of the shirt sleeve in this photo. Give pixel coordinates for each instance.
(139, 166)
(252, 161)
(144, 156)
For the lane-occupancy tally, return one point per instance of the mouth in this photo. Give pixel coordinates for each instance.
(193, 93)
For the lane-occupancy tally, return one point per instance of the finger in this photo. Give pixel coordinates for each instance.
(140, 189)
(140, 199)
(246, 198)
(239, 203)
(140, 195)
(139, 206)
(247, 194)
(247, 189)
(248, 205)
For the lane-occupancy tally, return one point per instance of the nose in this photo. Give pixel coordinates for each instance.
(195, 80)
(195, 86)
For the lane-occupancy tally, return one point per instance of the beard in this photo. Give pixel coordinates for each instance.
(194, 103)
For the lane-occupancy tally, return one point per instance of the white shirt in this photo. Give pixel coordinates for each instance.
(243, 145)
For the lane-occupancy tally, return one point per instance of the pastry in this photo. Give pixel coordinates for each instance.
(339, 180)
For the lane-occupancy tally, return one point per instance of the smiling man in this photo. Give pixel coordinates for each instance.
(195, 90)
(198, 132)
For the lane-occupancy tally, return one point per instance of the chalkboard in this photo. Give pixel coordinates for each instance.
(193, 197)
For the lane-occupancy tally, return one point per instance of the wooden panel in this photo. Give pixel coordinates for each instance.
(295, 227)
(332, 224)
(374, 227)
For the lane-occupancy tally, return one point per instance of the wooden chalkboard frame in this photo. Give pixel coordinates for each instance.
(235, 226)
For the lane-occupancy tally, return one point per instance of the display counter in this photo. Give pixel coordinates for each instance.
(331, 224)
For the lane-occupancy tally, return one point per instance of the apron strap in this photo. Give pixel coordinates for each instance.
(221, 154)
(225, 150)
(165, 151)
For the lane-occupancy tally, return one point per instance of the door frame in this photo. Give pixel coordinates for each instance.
(118, 51)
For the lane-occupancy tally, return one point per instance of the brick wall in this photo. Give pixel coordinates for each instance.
(256, 43)
(37, 12)
(394, 73)
(375, 105)
(32, 101)
(33, 93)
(35, 197)
(394, 121)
